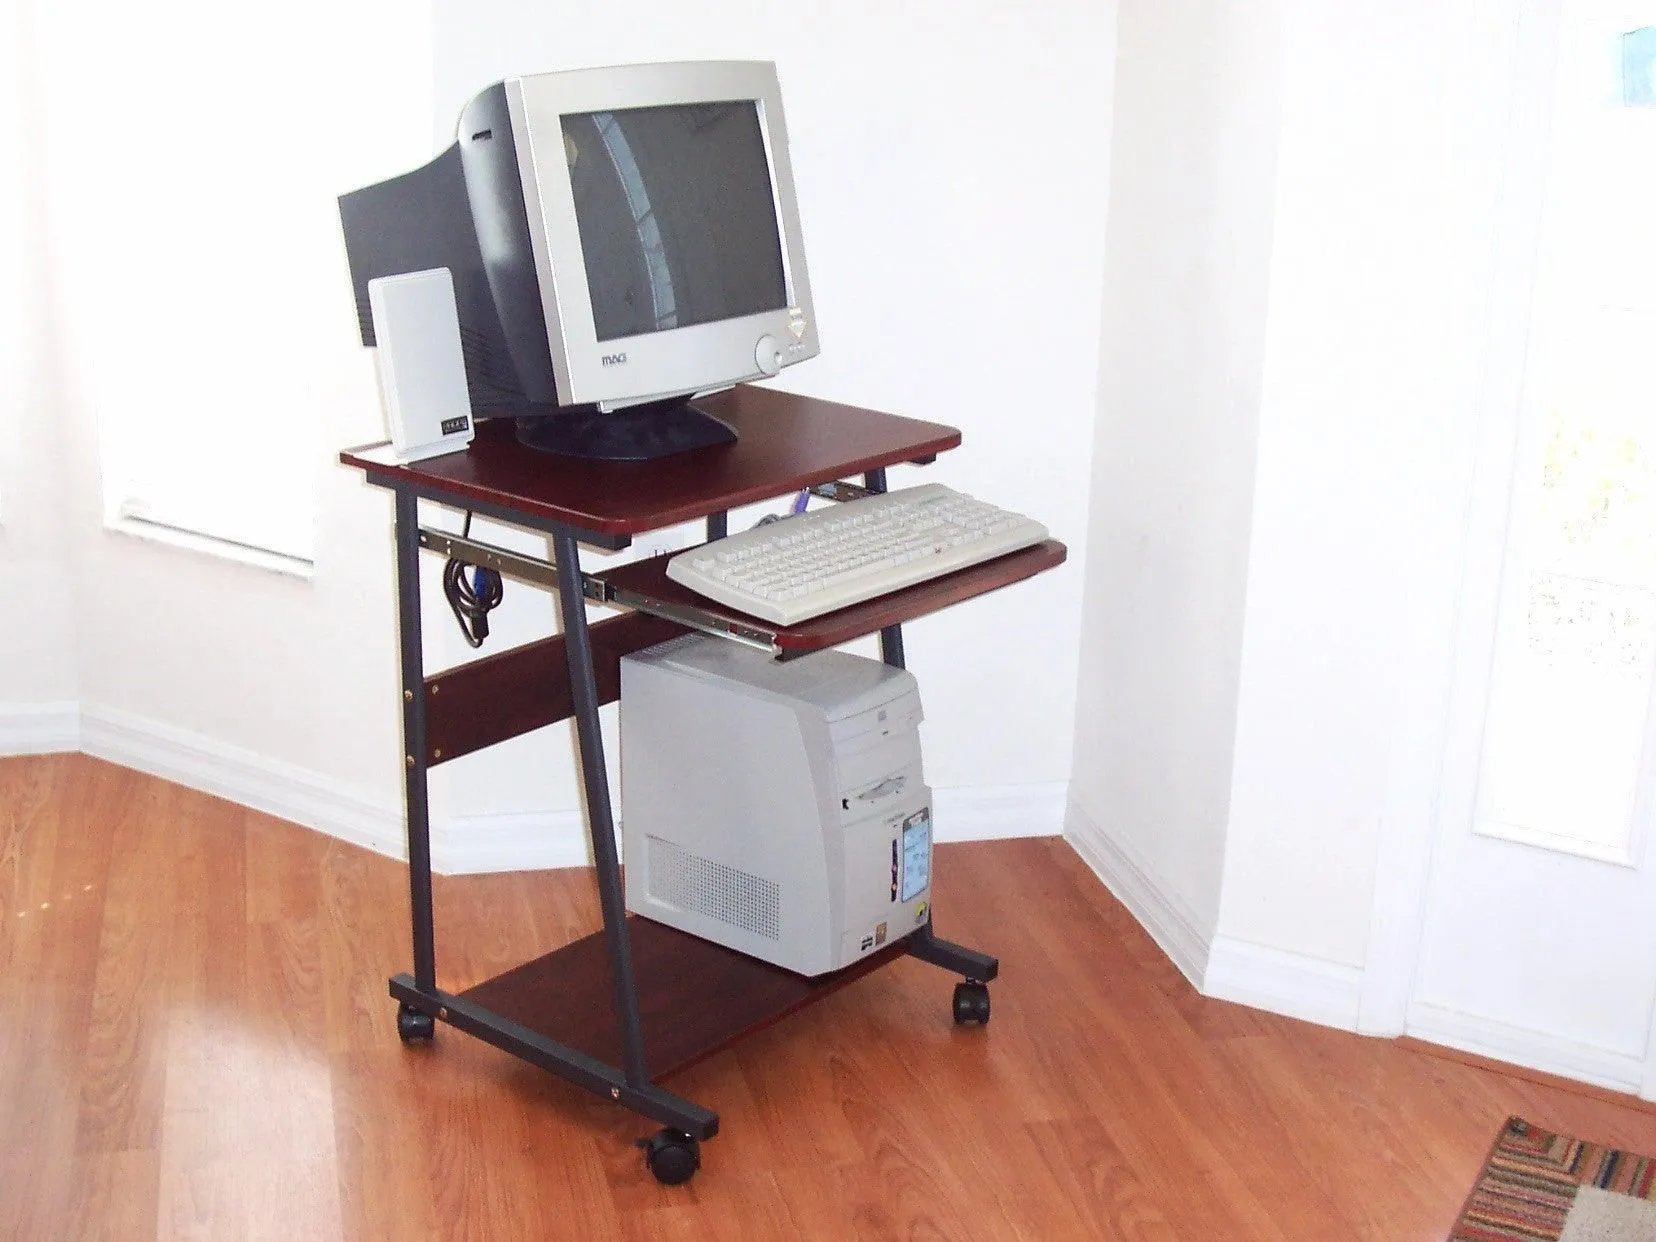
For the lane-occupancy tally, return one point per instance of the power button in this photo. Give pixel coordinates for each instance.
(766, 356)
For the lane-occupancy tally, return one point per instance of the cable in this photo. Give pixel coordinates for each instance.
(472, 601)
(797, 507)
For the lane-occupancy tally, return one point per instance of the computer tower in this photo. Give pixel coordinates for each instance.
(778, 808)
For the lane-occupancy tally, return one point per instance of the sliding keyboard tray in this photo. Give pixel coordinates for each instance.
(645, 587)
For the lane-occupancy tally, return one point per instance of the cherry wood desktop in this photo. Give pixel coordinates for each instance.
(629, 1005)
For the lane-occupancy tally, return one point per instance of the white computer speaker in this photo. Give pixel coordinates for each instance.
(421, 371)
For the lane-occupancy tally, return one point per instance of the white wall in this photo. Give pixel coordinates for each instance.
(1271, 409)
(1366, 392)
(1298, 248)
(925, 138)
(950, 161)
(1185, 292)
(274, 689)
(38, 684)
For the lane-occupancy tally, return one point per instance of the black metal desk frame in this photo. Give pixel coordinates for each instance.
(421, 1000)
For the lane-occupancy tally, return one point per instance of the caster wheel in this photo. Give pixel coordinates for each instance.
(414, 1027)
(672, 1155)
(971, 1002)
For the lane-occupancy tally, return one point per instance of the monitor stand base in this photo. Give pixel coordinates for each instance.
(638, 433)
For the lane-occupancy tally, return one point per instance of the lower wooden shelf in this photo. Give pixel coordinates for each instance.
(694, 997)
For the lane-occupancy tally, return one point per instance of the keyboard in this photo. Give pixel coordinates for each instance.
(816, 562)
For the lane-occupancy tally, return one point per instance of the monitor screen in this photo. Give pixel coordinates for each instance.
(675, 215)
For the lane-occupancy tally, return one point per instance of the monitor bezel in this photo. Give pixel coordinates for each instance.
(672, 362)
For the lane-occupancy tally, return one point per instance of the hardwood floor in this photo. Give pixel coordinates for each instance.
(196, 1042)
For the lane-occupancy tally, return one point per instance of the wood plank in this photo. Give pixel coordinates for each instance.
(511, 692)
(694, 997)
(785, 443)
(1105, 1099)
(1531, 1075)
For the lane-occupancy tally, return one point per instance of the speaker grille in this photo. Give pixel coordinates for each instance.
(705, 887)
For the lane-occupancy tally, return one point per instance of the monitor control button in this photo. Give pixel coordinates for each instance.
(766, 356)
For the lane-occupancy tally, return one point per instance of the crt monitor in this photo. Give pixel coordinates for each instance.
(621, 241)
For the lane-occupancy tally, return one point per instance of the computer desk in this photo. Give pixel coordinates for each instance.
(636, 1001)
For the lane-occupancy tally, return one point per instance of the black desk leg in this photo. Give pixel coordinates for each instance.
(718, 525)
(891, 646)
(414, 740)
(891, 638)
(924, 943)
(600, 818)
(929, 947)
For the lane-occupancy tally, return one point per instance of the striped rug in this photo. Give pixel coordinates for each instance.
(1543, 1187)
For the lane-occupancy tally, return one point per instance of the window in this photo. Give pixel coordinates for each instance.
(195, 154)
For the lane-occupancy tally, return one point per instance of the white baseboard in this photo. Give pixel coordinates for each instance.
(39, 728)
(462, 845)
(1222, 967)
(998, 812)
(1292, 984)
(1158, 910)
(243, 776)
(531, 841)
(1485, 1037)
(539, 840)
